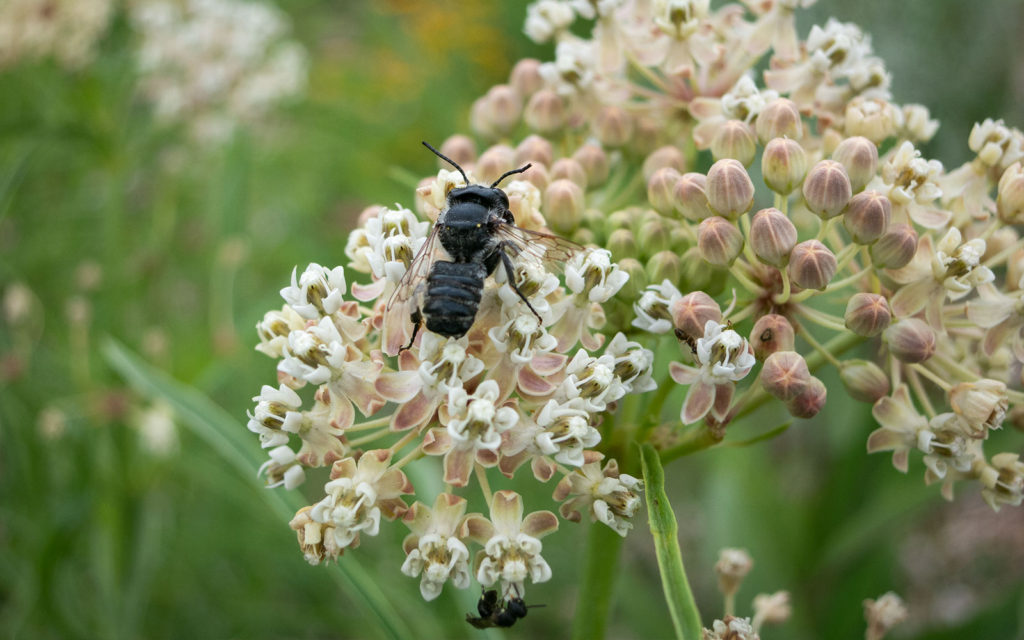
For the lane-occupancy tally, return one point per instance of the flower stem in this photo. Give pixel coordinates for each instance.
(664, 529)
(599, 572)
(481, 477)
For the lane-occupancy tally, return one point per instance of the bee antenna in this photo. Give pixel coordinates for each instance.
(507, 173)
(448, 160)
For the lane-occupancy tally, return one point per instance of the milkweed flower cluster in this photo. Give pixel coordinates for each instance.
(66, 30)
(641, 142)
(215, 64)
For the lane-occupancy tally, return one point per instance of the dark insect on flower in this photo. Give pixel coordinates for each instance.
(477, 230)
(495, 612)
(690, 341)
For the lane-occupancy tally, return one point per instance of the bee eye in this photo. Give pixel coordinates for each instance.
(507, 217)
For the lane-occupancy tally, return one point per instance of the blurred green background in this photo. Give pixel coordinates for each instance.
(116, 227)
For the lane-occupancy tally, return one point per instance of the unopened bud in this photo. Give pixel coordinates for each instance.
(622, 243)
(827, 189)
(584, 236)
(459, 148)
(1010, 198)
(883, 614)
(534, 149)
(719, 241)
(864, 380)
(525, 77)
(667, 156)
(812, 265)
(622, 219)
(783, 165)
(785, 375)
(729, 189)
(780, 118)
(569, 169)
(545, 112)
(664, 265)
(867, 216)
(691, 312)
(734, 139)
(691, 200)
(860, 157)
(595, 164)
(896, 248)
(661, 190)
(648, 135)
(563, 205)
(771, 333)
(867, 314)
(772, 236)
(910, 340)
(613, 126)
(494, 162)
(637, 282)
(503, 107)
(654, 236)
(810, 401)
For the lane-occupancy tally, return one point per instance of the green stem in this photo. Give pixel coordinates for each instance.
(664, 529)
(696, 439)
(599, 572)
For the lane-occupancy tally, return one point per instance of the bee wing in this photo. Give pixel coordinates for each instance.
(417, 272)
(549, 249)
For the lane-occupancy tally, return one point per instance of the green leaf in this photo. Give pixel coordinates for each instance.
(664, 529)
(228, 437)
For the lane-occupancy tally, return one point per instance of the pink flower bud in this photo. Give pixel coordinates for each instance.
(812, 265)
(691, 200)
(771, 333)
(734, 139)
(719, 241)
(827, 189)
(780, 118)
(667, 156)
(772, 236)
(525, 77)
(613, 126)
(563, 205)
(896, 247)
(661, 190)
(459, 148)
(1010, 198)
(595, 164)
(783, 165)
(864, 380)
(729, 189)
(785, 375)
(860, 158)
(910, 340)
(810, 401)
(534, 149)
(867, 314)
(691, 312)
(545, 112)
(494, 162)
(867, 216)
(569, 169)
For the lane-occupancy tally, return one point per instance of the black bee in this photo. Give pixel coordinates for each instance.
(495, 613)
(477, 231)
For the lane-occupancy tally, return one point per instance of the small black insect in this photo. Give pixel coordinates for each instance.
(477, 231)
(498, 613)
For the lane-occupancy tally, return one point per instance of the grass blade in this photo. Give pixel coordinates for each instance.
(664, 529)
(226, 435)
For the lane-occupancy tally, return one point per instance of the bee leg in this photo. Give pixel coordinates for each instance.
(416, 318)
(510, 272)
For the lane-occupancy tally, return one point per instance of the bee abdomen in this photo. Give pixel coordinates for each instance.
(453, 296)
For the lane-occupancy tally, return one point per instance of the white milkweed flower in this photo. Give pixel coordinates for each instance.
(723, 357)
(608, 496)
(592, 272)
(317, 292)
(573, 69)
(511, 542)
(433, 549)
(546, 19)
(283, 468)
(276, 415)
(315, 354)
(654, 308)
(565, 431)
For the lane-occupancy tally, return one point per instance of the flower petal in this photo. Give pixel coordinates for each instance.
(540, 523)
(507, 512)
(398, 386)
(683, 374)
(698, 402)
